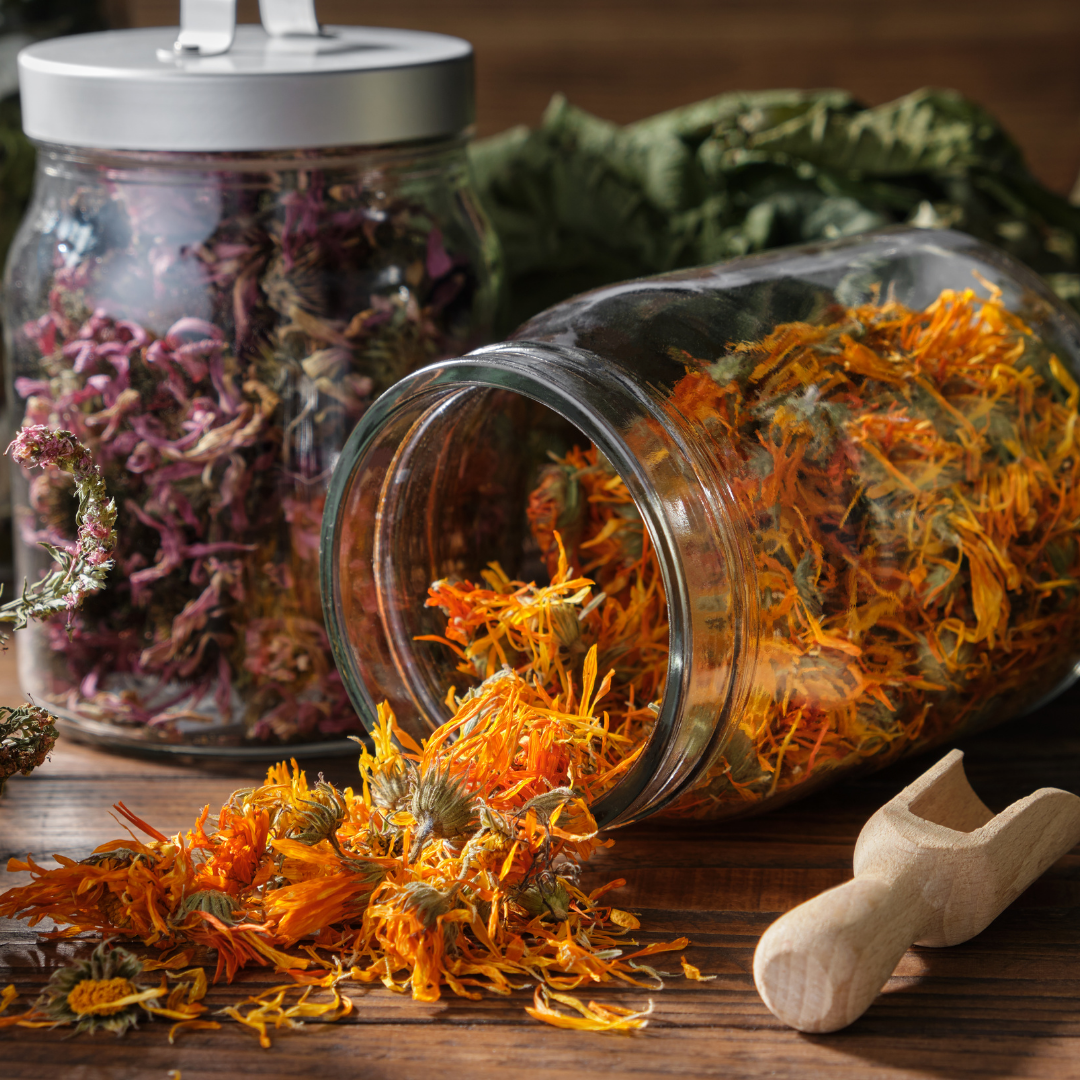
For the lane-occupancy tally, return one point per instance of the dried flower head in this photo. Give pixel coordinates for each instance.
(547, 896)
(27, 734)
(566, 627)
(214, 902)
(392, 789)
(118, 856)
(428, 902)
(369, 873)
(97, 993)
(546, 804)
(442, 808)
(324, 814)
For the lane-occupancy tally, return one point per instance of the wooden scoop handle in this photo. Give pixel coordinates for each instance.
(820, 966)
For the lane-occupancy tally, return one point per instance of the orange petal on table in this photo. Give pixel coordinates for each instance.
(660, 946)
(594, 1016)
(192, 1025)
(694, 973)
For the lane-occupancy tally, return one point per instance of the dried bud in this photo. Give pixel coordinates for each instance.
(325, 815)
(429, 902)
(27, 734)
(369, 872)
(442, 809)
(392, 790)
(545, 805)
(548, 896)
(566, 627)
(219, 904)
(121, 856)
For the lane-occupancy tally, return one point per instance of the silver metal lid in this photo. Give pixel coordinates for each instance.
(348, 86)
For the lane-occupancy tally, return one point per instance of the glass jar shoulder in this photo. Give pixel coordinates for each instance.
(655, 322)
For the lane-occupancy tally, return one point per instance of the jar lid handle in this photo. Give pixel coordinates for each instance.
(207, 27)
(282, 18)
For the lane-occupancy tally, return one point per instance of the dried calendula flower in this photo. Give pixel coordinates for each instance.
(322, 815)
(546, 804)
(429, 902)
(566, 626)
(98, 993)
(118, 856)
(442, 808)
(213, 901)
(547, 896)
(393, 788)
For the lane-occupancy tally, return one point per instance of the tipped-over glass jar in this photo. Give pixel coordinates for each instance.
(827, 501)
(226, 259)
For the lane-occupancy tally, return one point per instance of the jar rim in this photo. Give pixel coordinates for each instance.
(555, 376)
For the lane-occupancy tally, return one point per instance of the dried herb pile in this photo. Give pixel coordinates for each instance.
(909, 479)
(216, 433)
(454, 866)
(580, 202)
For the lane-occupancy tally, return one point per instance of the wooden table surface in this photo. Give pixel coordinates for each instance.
(1005, 1004)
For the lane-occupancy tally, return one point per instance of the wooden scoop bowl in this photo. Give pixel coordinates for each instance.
(932, 867)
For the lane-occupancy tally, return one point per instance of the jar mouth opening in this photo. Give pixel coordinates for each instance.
(434, 483)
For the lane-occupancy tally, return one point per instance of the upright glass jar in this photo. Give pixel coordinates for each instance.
(853, 468)
(226, 259)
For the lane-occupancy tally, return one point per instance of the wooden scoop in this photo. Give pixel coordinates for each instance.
(932, 867)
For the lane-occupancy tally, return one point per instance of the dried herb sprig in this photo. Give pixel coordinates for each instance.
(83, 570)
(28, 733)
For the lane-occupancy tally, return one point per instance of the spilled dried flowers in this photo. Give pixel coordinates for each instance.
(454, 865)
(441, 871)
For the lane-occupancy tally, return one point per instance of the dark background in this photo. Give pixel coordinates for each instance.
(626, 59)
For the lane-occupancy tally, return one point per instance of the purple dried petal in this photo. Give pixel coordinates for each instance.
(190, 331)
(438, 262)
(26, 387)
(144, 458)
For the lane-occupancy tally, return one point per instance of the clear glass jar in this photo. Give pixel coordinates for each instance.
(856, 465)
(212, 326)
